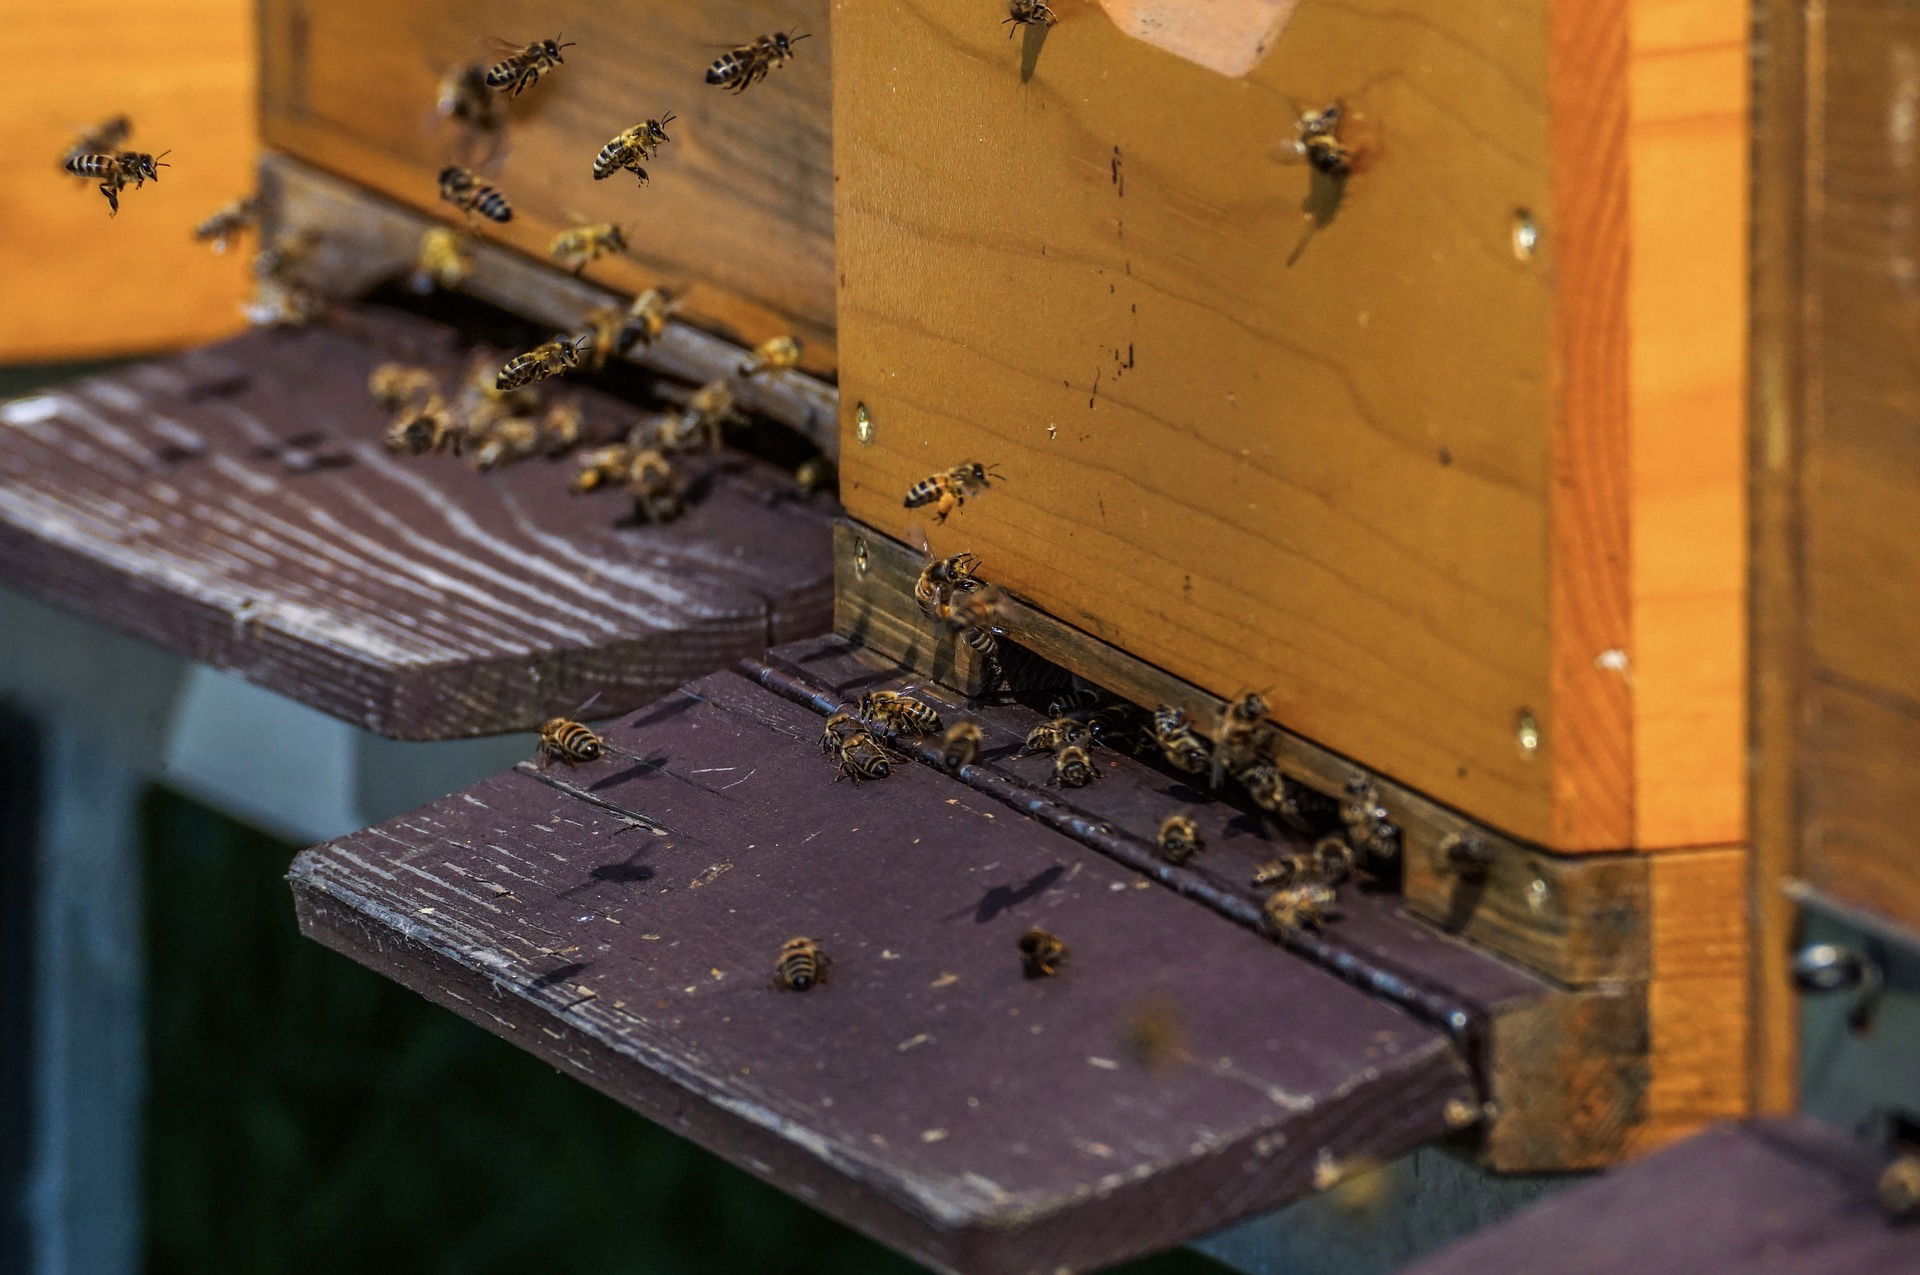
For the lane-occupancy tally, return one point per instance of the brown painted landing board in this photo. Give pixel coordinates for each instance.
(1788, 1195)
(234, 504)
(621, 921)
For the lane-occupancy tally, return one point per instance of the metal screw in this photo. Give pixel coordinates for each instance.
(1538, 895)
(1526, 729)
(1820, 968)
(862, 423)
(1526, 234)
(860, 561)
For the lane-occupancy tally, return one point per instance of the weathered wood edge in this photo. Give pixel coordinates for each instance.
(364, 239)
(1578, 919)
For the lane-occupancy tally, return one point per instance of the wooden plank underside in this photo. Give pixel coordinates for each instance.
(235, 504)
(1787, 1195)
(621, 921)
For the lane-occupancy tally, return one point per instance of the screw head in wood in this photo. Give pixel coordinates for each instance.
(1539, 894)
(861, 562)
(862, 423)
(1526, 234)
(1526, 729)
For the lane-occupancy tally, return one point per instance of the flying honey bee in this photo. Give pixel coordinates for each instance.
(940, 577)
(1041, 954)
(646, 319)
(426, 427)
(1024, 13)
(741, 67)
(1317, 141)
(948, 491)
(570, 743)
(602, 467)
(960, 746)
(442, 261)
(1299, 907)
(1179, 839)
(583, 245)
(115, 169)
(979, 609)
(835, 731)
(654, 486)
(898, 711)
(522, 68)
(465, 98)
(801, 965)
(394, 385)
(462, 188)
(227, 221)
(814, 475)
(538, 364)
(775, 355)
(627, 149)
(1181, 745)
(1052, 736)
(862, 757)
(104, 138)
(1073, 767)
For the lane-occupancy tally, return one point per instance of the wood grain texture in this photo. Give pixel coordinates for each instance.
(1784, 1195)
(76, 283)
(235, 504)
(739, 213)
(621, 922)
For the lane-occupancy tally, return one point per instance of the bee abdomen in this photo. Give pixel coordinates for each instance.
(90, 165)
(492, 205)
(801, 965)
(924, 492)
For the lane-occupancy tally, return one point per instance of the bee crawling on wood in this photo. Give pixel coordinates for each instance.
(602, 467)
(1317, 140)
(227, 221)
(561, 354)
(523, 66)
(704, 419)
(427, 426)
(1025, 13)
(1329, 863)
(801, 965)
(960, 746)
(395, 385)
(743, 66)
(777, 354)
(462, 188)
(862, 757)
(115, 170)
(1239, 737)
(442, 261)
(560, 428)
(1183, 747)
(947, 492)
(654, 485)
(1041, 953)
(584, 244)
(570, 743)
(1179, 839)
(899, 711)
(1299, 907)
(505, 441)
(1073, 767)
(1052, 736)
(941, 578)
(629, 147)
(835, 731)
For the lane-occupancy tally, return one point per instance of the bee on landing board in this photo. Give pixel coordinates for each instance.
(1329, 863)
(862, 757)
(948, 491)
(462, 188)
(522, 67)
(655, 487)
(1026, 13)
(602, 467)
(775, 355)
(745, 65)
(627, 149)
(570, 743)
(219, 229)
(898, 711)
(801, 965)
(1041, 953)
(538, 364)
(1237, 735)
(1179, 839)
(1073, 767)
(960, 746)
(425, 427)
(1300, 907)
(583, 245)
(835, 731)
(395, 385)
(1052, 736)
(104, 138)
(114, 170)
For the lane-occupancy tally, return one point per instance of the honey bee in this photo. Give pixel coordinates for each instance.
(835, 731)
(1318, 142)
(1299, 907)
(627, 149)
(815, 474)
(1181, 745)
(1073, 767)
(978, 609)
(1369, 827)
(219, 229)
(583, 245)
(282, 305)
(775, 355)
(1179, 839)
(115, 169)
(1052, 736)
(940, 577)
(505, 441)
(442, 261)
(1041, 954)
(600, 335)
(862, 757)
(654, 486)
(465, 98)
(900, 712)
(1117, 726)
(1237, 736)
(521, 69)
(569, 742)
(601, 467)
(1024, 13)
(281, 257)
(465, 191)
(104, 138)
(394, 385)
(801, 965)
(646, 319)
(1899, 1188)
(707, 414)
(741, 67)
(426, 427)
(541, 362)
(948, 491)
(560, 428)
(960, 746)
(1329, 863)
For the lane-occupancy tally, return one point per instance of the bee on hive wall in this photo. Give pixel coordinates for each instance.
(1238, 735)
(602, 467)
(583, 245)
(801, 965)
(941, 577)
(1318, 142)
(227, 221)
(114, 170)
(522, 67)
(775, 355)
(1025, 13)
(835, 731)
(627, 149)
(741, 67)
(1179, 839)
(1041, 953)
(538, 364)
(465, 191)
(948, 491)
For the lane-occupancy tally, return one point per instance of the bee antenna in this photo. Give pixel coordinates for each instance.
(162, 155)
(795, 39)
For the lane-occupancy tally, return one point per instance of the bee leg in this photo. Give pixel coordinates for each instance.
(113, 199)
